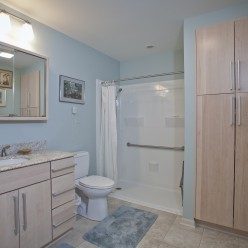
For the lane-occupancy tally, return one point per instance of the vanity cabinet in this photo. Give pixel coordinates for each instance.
(63, 195)
(222, 124)
(25, 219)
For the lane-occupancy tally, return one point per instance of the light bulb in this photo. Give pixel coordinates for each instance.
(6, 55)
(4, 22)
(27, 32)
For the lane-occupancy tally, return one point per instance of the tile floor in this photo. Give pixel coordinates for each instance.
(166, 232)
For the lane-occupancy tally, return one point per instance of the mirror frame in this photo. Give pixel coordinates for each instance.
(20, 118)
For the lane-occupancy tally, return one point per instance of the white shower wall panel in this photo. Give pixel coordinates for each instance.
(151, 114)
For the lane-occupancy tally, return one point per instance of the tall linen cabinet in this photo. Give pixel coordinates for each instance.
(222, 124)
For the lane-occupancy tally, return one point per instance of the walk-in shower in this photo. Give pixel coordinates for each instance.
(150, 119)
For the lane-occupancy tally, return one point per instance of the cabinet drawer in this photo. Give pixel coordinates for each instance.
(63, 213)
(21, 177)
(62, 166)
(63, 189)
(57, 231)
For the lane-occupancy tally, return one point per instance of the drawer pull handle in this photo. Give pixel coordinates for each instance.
(60, 193)
(16, 231)
(65, 168)
(61, 223)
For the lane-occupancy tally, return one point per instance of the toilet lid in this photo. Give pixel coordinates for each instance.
(96, 182)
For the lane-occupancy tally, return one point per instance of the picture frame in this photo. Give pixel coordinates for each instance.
(2, 97)
(6, 79)
(71, 90)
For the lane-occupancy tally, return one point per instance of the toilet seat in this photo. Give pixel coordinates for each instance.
(96, 182)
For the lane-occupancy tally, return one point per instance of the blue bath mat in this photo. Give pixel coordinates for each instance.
(122, 229)
(65, 245)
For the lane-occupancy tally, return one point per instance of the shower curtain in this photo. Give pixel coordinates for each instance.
(107, 162)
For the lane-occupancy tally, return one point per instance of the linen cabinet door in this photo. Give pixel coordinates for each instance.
(215, 159)
(9, 220)
(35, 215)
(215, 59)
(241, 54)
(241, 164)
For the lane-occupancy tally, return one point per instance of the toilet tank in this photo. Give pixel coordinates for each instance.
(82, 160)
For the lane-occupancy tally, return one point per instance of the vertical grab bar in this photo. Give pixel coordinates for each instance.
(16, 230)
(24, 212)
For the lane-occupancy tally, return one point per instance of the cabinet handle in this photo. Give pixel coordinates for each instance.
(231, 110)
(239, 109)
(24, 211)
(238, 75)
(16, 231)
(68, 167)
(231, 75)
(57, 225)
(60, 193)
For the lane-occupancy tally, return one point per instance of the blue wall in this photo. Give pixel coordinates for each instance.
(190, 25)
(64, 131)
(156, 64)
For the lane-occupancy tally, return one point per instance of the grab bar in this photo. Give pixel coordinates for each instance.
(157, 147)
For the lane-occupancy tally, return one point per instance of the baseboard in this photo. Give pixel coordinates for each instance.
(188, 222)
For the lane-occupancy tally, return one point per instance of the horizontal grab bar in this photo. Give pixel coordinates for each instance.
(157, 147)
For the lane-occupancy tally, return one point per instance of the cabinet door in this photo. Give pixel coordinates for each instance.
(9, 220)
(215, 159)
(35, 215)
(241, 54)
(215, 58)
(241, 164)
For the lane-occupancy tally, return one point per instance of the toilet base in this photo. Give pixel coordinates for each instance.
(97, 209)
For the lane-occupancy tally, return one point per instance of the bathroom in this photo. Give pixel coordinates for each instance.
(76, 132)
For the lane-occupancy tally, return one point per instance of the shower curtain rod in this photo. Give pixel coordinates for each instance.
(142, 77)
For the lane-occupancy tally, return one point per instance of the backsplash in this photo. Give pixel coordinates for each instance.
(34, 145)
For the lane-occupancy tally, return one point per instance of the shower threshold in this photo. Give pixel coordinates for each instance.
(150, 196)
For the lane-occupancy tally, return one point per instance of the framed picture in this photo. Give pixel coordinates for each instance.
(71, 90)
(2, 98)
(6, 79)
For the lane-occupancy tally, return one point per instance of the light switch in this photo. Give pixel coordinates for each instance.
(74, 110)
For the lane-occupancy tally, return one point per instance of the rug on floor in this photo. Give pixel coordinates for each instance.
(122, 229)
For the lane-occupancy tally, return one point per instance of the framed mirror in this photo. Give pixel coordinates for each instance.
(23, 85)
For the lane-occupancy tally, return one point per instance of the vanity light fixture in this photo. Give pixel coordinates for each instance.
(4, 22)
(26, 32)
(6, 55)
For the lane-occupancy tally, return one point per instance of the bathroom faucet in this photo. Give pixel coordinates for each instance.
(3, 152)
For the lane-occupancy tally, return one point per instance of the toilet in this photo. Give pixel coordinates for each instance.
(93, 190)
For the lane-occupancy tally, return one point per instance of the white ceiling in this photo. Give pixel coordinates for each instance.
(120, 28)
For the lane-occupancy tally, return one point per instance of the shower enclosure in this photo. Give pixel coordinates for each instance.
(150, 119)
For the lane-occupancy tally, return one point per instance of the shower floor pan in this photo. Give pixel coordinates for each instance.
(150, 196)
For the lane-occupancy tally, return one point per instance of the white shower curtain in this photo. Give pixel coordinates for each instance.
(107, 162)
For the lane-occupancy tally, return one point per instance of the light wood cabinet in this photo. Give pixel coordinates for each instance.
(9, 222)
(63, 195)
(30, 94)
(215, 159)
(215, 59)
(222, 124)
(26, 216)
(35, 215)
(241, 164)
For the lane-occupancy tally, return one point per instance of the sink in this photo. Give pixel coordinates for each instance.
(11, 161)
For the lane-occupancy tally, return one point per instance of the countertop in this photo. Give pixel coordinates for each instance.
(35, 157)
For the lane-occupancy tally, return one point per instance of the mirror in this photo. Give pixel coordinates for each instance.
(23, 84)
